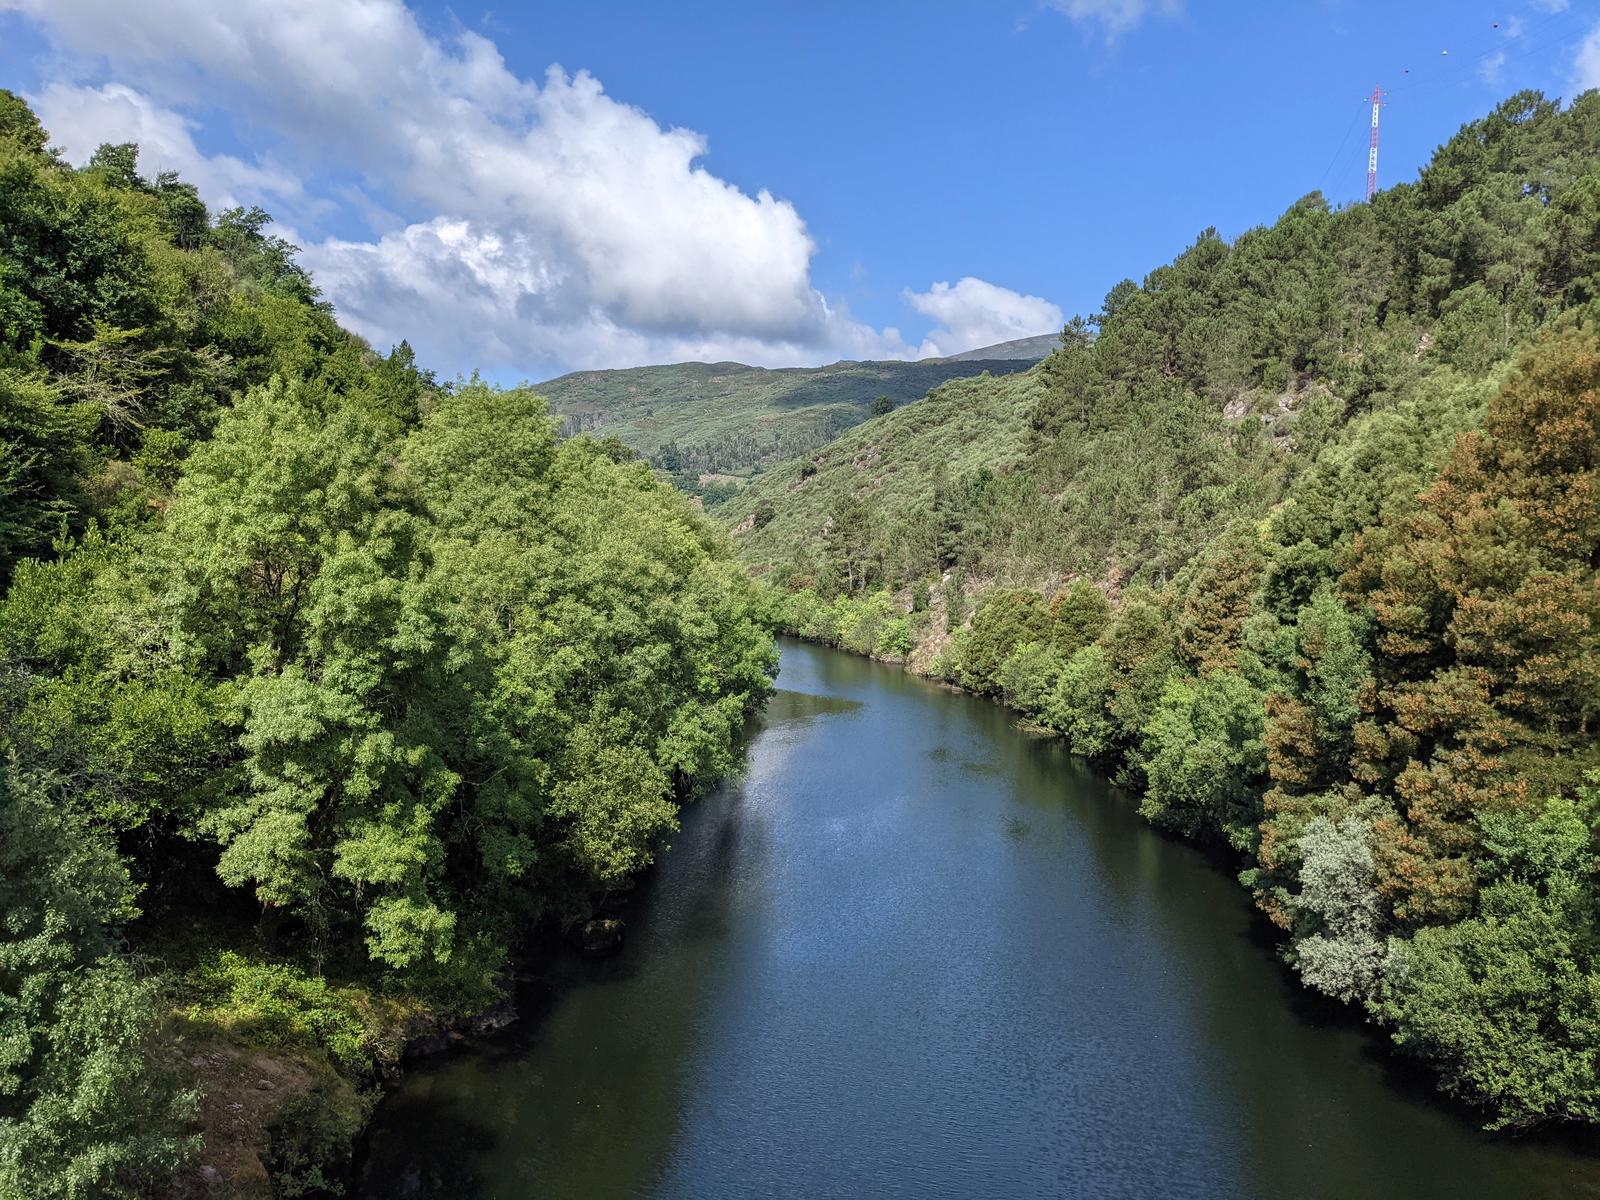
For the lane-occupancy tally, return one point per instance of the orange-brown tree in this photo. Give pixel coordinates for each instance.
(1488, 629)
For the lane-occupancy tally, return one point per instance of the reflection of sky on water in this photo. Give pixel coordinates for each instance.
(915, 952)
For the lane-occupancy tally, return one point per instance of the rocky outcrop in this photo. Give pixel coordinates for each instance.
(601, 936)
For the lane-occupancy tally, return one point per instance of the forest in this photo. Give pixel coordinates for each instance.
(325, 686)
(1297, 538)
(728, 418)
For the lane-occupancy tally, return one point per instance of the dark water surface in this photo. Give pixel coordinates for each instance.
(918, 953)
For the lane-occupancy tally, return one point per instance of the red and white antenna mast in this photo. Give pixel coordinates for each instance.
(1372, 144)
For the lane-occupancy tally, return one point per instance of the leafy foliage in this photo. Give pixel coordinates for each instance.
(1337, 483)
(88, 1105)
(288, 621)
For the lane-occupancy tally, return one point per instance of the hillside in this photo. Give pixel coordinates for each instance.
(1198, 396)
(894, 463)
(1298, 538)
(1029, 349)
(731, 419)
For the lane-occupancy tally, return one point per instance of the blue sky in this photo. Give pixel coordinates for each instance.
(778, 183)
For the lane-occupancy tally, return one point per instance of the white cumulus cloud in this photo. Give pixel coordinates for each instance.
(82, 118)
(972, 313)
(511, 223)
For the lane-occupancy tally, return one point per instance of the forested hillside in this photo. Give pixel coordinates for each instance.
(322, 685)
(693, 419)
(1299, 537)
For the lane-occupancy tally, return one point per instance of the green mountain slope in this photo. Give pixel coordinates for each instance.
(1032, 349)
(894, 464)
(1199, 396)
(727, 418)
(1300, 539)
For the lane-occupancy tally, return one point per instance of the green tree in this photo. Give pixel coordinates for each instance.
(18, 123)
(1506, 1004)
(44, 456)
(1204, 758)
(1488, 627)
(88, 1102)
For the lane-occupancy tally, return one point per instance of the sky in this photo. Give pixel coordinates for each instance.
(530, 189)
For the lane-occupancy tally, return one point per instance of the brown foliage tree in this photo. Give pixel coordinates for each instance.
(1488, 623)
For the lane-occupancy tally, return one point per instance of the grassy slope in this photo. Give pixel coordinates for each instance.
(961, 426)
(785, 412)
(1030, 348)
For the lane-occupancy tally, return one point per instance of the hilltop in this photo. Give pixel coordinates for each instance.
(1028, 349)
(727, 418)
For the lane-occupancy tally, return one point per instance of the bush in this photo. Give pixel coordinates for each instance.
(274, 1004)
(1028, 676)
(894, 638)
(89, 1102)
(1205, 759)
(1079, 707)
(310, 1133)
(955, 601)
(1006, 619)
(862, 620)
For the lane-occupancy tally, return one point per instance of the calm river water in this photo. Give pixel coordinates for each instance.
(916, 952)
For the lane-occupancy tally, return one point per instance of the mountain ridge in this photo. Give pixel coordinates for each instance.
(731, 419)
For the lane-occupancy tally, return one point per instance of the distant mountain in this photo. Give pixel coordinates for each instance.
(726, 418)
(1029, 349)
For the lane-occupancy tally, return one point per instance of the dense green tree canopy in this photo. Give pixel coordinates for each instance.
(377, 676)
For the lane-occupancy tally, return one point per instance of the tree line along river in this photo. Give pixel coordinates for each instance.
(915, 951)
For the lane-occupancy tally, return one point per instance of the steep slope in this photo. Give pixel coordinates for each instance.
(727, 418)
(1031, 349)
(894, 464)
(1195, 398)
(1299, 539)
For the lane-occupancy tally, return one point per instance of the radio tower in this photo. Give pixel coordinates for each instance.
(1372, 145)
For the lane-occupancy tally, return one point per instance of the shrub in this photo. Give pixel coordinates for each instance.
(894, 638)
(274, 1004)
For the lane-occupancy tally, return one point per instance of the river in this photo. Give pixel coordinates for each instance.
(917, 952)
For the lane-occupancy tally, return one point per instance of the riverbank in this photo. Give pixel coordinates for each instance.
(1235, 750)
(913, 950)
(287, 1068)
(288, 1063)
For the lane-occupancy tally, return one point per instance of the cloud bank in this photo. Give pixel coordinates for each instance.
(504, 222)
(974, 313)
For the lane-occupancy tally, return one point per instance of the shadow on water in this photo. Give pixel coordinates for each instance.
(786, 705)
(914, 951)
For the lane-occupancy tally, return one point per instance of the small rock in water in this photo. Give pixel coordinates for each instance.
(601, 936)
